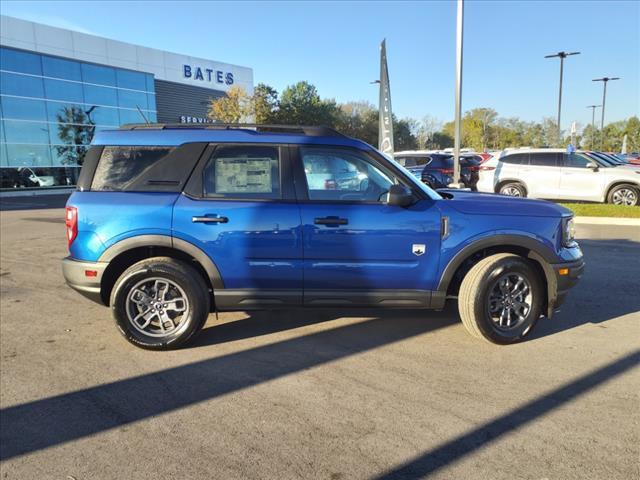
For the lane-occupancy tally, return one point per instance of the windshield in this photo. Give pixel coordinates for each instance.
(431, 193)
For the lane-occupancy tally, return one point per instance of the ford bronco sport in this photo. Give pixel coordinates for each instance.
(170, 223)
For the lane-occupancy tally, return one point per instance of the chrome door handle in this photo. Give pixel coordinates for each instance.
(209, 219)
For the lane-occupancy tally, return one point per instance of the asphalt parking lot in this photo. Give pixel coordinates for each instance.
(316, 394)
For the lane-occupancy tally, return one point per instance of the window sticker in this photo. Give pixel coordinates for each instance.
(243, 175)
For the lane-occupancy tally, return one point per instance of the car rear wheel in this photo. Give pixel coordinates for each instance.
(501, 298)
(513, 189)
(624, 195)
(160, 303)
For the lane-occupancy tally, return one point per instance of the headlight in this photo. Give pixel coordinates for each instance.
(568, 232)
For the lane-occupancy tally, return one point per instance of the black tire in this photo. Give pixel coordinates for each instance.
(477, 285)
(182, 276)
(513, 189)
(624, 194)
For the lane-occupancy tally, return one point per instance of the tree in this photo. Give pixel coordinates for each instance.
(359, 120)
(478, 127)
(632, 130)
(426, 130)
(265, 104)
(300, 104)
(441, 140)
(234, 107)
(403, 137)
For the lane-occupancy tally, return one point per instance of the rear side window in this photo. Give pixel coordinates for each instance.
(245, 172)
(544, 159)
(122, 168)
(516, 159)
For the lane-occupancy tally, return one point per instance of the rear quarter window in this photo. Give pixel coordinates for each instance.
(120, 167)
(145, 168)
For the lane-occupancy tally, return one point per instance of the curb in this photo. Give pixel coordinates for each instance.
(607, 221)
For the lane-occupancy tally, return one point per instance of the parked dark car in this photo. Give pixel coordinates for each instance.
(438, 173)
(436, 169)
(415, 163)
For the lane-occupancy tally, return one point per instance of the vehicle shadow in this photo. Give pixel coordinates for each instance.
(59, 419)
(259, 323)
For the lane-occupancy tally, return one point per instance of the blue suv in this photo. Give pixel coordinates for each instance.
(172, 222)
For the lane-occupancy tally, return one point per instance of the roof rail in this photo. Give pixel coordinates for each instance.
(312, 131)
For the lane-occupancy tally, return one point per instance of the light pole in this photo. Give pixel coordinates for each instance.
(593, 122)
(561, 56)
(604, 80)
(458, 123)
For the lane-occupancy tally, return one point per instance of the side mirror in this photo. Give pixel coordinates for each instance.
(399, 196)
(593, 166)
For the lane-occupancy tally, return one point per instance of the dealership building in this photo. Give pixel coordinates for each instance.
(59, 87)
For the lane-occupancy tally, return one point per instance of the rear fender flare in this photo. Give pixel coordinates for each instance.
(167, 242)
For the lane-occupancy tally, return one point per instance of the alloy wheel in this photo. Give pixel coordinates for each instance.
(510, 301)
(625, 196)
(511, 192)
(157, 307)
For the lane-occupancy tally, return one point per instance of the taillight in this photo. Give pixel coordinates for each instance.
(330, 185)
(485, 168)
(71, 221)
(446, 171)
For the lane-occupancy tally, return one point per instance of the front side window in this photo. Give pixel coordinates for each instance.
(243, 172)
(335, 174)
(575, 160)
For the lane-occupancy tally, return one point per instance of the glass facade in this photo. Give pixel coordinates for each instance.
(51, 107)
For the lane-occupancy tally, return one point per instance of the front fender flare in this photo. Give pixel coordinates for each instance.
(537, 252)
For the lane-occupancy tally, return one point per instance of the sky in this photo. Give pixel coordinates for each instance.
(335, 46)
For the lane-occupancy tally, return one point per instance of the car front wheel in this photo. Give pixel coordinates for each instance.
(624, 195)
(501, 298)
(160, 303)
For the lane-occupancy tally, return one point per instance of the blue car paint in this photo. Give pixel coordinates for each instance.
(374, 250)
(105, 218)
(259, 247)
(276, 245)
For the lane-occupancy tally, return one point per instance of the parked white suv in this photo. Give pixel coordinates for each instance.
(556, 175)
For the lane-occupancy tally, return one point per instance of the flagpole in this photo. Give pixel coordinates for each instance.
(458, 126)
